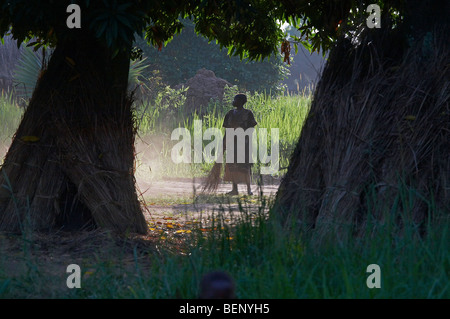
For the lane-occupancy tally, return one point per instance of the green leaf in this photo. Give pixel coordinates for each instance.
(124, 6)
(122, 19)
(27, 72)
(101, 30)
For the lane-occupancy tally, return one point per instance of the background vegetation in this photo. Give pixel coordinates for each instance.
(157, 120)
(188, 52)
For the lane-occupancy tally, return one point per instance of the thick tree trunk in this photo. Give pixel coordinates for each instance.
(375, 146)
(71, 162)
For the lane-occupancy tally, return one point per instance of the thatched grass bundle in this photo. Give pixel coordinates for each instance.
(71, 162)
(376, 141)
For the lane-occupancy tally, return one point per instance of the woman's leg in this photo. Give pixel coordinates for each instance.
(234, 191)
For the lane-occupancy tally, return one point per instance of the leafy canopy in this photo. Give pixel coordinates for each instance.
(248, 28)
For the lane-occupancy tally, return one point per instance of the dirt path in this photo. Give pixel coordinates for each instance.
(198, 208)
(184, 187)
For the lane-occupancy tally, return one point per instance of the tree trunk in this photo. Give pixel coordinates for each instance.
(71, 162)
(375, 145)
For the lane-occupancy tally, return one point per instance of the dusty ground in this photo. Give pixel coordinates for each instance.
(185, 187)
(191, 191)
(176, 206)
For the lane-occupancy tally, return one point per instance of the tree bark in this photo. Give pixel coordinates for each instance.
(71, 162)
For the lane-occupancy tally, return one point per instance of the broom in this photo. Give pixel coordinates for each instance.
(213, 179)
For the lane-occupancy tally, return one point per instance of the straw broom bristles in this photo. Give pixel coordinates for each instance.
(213, 179)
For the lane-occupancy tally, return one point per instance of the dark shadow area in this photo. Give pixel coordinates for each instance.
(74, 215)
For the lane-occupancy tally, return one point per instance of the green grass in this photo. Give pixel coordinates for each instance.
(10, 117)
(266, 260)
